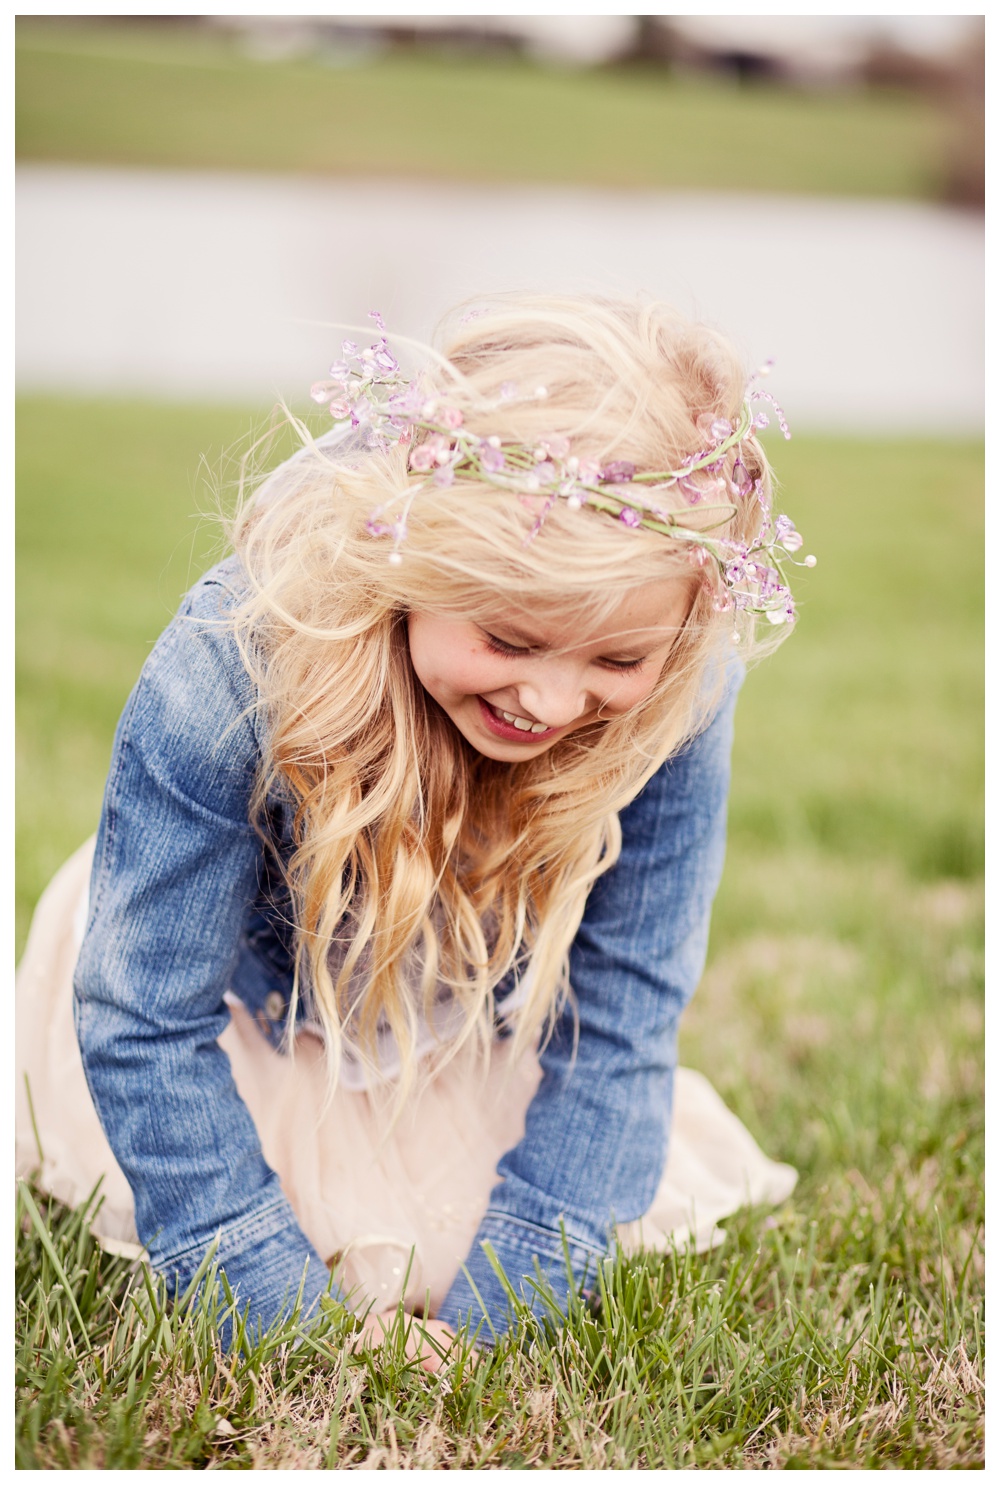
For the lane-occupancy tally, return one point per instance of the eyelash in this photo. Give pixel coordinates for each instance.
(510, 651)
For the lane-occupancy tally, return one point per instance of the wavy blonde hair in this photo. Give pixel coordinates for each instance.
(418, 864)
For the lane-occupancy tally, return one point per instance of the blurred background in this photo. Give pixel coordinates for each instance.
(199, 199)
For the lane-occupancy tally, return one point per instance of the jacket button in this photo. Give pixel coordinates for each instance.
(274, 1005)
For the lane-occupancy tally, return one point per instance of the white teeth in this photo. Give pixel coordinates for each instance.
(522, 724)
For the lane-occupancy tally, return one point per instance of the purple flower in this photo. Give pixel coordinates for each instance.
(444, 476)
(629, 517)
(720, 429)
(340, 371)
(768, 581)
(349, 348)
(545, 472)
(406, 401)
(785, 533)
(618, 472)
(741, 480)
(376, 317)
(385, 361)
(491, 457)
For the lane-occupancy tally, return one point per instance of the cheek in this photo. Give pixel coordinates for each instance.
(631, 691)
(449, 666)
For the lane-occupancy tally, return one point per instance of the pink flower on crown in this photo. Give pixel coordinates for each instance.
(324, 389)
(588, 471)
(630, 518)
(450, 418)
(433, 452)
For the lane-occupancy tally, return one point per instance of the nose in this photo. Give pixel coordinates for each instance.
(556, 693)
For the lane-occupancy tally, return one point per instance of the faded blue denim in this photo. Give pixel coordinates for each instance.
(185, 905)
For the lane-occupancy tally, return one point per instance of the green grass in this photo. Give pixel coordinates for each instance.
(175, 97)
(840, 1015)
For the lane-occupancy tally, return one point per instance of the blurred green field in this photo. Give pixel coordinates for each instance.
(177, 97)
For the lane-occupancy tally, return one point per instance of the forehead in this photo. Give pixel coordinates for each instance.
(647, 616)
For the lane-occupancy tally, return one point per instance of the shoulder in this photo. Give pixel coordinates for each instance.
(193, 714)
(215, 595)
(198, 655)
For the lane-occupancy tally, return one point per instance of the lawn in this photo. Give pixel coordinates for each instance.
(177, 97)
(840, 1015)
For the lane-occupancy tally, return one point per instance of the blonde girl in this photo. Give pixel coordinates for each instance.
(412, 829)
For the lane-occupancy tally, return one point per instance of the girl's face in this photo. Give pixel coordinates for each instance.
(516, 683)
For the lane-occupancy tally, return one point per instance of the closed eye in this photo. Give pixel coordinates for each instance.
(623, 666)
(505, 650)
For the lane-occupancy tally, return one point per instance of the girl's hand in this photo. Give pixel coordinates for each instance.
(419, 1333)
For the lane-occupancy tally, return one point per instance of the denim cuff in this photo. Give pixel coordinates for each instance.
(534, 1261)
(267, 1260)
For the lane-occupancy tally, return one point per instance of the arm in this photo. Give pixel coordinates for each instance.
(175, 868)
(597, 1130)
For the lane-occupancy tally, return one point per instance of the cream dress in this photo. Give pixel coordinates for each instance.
(387, 1209)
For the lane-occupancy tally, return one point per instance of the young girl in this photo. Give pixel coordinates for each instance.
(413, 824)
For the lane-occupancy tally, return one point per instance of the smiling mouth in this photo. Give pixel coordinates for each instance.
(515, 728)
(523, 723)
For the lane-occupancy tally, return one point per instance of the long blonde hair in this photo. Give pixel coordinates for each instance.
(417, 864)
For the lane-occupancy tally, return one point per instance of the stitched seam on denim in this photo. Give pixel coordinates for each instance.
(249, 1231)
(515, 1236)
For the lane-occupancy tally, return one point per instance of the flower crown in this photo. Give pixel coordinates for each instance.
(367, 387)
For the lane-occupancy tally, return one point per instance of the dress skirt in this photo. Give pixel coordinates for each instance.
(386, 1209)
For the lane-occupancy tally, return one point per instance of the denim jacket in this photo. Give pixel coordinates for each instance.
(185, 905)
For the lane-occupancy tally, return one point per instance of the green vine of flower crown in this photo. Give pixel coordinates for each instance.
(367, 387)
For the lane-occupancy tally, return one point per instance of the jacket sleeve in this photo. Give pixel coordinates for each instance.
(596, 1133)
(175, 867)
